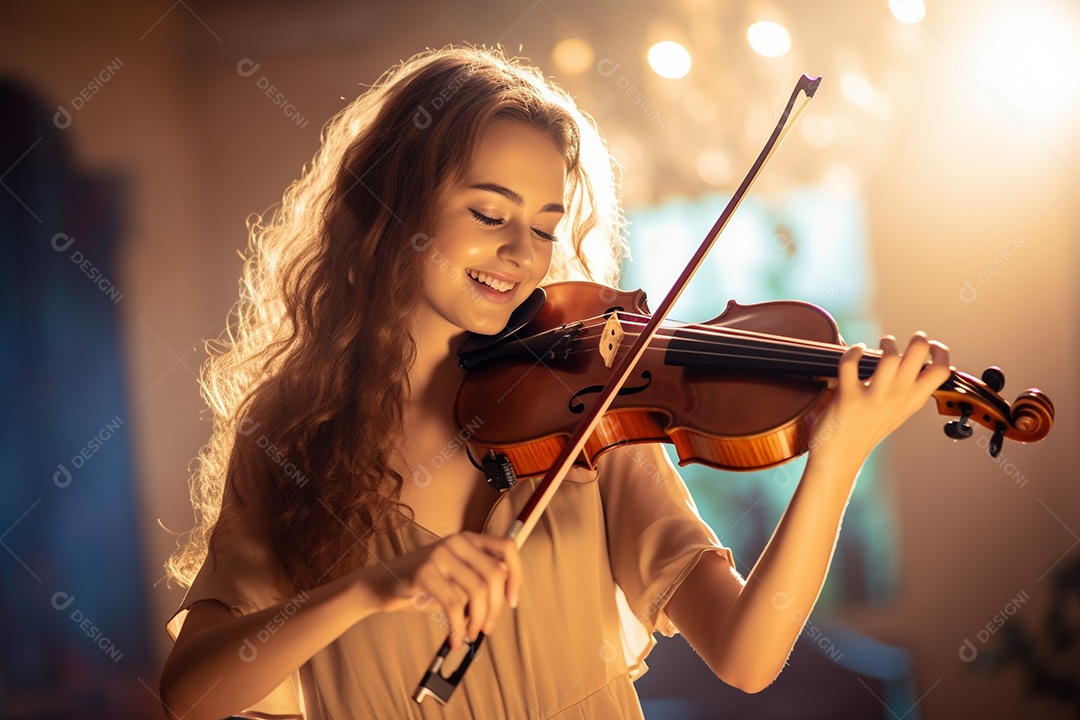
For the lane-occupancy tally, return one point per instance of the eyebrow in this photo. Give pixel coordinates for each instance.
(515, 197)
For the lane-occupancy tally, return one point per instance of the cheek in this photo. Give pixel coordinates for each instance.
(549, 255)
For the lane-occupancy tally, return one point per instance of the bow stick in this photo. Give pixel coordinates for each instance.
(434, 684)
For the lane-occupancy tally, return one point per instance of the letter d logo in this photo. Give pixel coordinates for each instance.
(248, 652)
(247, 426)
(422, 118)
(968, 293)
(421, 241)
(247, 67)
(58, 247)
(61, 600)
(62, 118)
(61, 478)
(782, 600)
(422, 477)
(606, 68)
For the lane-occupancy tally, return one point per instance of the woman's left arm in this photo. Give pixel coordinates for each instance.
(746, 630)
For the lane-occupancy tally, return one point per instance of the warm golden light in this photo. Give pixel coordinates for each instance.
(769, 39)
(908, 11)
(669, 59)
(818, 130)
(857, 89)
(714, 168)
(1025, 65)
(572, 56)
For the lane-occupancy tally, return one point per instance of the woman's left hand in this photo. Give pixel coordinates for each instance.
(862, 412)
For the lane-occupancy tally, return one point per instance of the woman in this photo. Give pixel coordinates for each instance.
(345, 533)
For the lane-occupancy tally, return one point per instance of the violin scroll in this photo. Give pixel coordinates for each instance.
(1033, 413)
(1028, 419)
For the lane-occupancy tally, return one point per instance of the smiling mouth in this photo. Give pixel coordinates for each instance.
(493, 283)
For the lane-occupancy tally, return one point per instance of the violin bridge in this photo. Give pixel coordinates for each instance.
(611, 339)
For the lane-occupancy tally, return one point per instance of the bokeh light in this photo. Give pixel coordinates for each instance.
(669, 59)
(714, 168)
(908, 11)
(572, 56)
(769, 39)
(857, 89)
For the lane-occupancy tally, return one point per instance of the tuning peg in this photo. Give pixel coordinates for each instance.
(960, 429)
(994, 378)
(997, 439)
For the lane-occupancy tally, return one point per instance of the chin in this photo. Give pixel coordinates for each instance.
(486, 326)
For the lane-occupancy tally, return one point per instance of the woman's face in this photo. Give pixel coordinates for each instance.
(492, 238)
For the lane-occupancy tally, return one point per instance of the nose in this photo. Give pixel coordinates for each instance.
(518, 248)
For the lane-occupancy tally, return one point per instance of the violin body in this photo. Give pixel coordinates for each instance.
(740, 392)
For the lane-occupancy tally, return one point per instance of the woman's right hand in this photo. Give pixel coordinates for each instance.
(463, 573)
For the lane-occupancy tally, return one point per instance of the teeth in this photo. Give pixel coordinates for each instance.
(491, 282)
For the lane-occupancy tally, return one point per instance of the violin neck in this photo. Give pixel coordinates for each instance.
(720, 349)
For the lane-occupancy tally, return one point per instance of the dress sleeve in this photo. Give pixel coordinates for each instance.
(655, 539)
(241, 572)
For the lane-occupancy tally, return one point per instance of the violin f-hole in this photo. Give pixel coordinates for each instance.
(577, 407)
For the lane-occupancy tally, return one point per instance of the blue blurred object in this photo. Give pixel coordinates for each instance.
(71, 588)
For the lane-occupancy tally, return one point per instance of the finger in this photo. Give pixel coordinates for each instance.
(498, 560)
(450, 598)
(507, 552)
(938, 371)
(848, 372)
(915, 357)
(492, 573)
(887, 365)
(512, 558)
(473, 571)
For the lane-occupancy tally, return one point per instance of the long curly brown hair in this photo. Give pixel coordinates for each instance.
(307, 386)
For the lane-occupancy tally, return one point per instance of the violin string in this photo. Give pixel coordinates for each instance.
(796, 348)
(777, 348)
(632, 319)
(793, 358)
(797, 351)
(723, 331)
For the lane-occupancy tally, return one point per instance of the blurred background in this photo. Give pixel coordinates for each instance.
(931, 184)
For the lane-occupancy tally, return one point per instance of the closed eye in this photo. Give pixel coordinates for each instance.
(495, 222)
(484, 219)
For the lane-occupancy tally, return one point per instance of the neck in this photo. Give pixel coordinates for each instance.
(435, 374)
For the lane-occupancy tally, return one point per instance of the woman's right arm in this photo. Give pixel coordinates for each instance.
(221, 664)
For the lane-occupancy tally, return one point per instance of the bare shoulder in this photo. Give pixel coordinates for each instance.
(202, 615)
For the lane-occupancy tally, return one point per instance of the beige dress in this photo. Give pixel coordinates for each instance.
(599, 569)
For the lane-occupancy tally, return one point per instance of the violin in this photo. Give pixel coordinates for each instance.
(739, 392)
